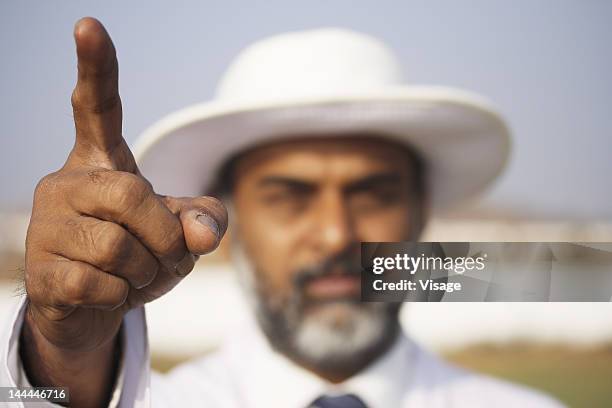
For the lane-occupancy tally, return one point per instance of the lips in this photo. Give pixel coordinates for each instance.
(334, 286)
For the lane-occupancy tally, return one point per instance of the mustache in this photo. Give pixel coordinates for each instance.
(345, 263)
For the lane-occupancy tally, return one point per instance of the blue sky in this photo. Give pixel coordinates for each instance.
(546, 64)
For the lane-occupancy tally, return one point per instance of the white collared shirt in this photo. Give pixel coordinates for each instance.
(247, 373)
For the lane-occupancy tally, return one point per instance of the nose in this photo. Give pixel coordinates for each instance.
(335, 225)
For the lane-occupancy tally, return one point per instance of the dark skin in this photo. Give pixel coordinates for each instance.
(303, 201)
(101, 242)
(298, 203)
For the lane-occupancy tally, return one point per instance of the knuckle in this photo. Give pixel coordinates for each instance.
(75, 99)
(117, 293)
(53, 191)
(149, 274)
(76, 286)
(211, 203)
(36, 235)
(96, 106)
(110, 245)
(215, 202)
(45, 185)
(142, 271)
(128, 192)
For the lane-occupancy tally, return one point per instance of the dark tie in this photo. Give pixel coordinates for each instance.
(338, 401)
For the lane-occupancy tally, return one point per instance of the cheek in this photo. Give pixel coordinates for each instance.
(269, 247)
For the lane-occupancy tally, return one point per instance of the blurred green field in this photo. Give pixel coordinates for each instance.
(579, 377)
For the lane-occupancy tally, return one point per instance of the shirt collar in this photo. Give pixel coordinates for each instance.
(269, 379)
(384, 383)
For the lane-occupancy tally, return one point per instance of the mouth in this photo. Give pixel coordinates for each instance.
(334, 287)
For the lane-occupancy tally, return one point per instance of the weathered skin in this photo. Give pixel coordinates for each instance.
(100, 241)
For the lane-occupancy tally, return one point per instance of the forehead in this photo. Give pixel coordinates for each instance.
(344, 157)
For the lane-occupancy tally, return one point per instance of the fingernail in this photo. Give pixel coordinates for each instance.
(185, 265)
(209, 223)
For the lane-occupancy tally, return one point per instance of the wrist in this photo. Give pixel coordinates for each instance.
(89, 375)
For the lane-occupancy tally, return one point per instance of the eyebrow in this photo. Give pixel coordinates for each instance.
(374, 180)
(286, 182)
(366, 183)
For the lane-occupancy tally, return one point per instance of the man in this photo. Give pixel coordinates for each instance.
(315, 146)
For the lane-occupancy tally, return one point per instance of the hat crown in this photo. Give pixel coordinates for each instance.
(310, 64)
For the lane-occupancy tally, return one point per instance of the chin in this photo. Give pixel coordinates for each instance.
(342, 334)
(339, 313)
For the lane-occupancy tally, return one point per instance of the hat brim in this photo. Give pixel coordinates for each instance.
(464, 142)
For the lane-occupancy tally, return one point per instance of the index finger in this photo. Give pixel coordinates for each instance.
(95, 100)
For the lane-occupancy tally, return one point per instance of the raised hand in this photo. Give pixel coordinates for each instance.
(100, 241)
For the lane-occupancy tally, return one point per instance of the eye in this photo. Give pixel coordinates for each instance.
(375, 197)
(287, 199)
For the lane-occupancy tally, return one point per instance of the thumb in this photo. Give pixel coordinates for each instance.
(204, 221)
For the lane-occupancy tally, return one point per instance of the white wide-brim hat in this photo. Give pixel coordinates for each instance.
(327, 82)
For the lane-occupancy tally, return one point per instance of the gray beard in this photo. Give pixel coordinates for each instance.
(319, 339)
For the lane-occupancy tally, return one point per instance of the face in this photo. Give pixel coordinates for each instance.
(301, 209)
